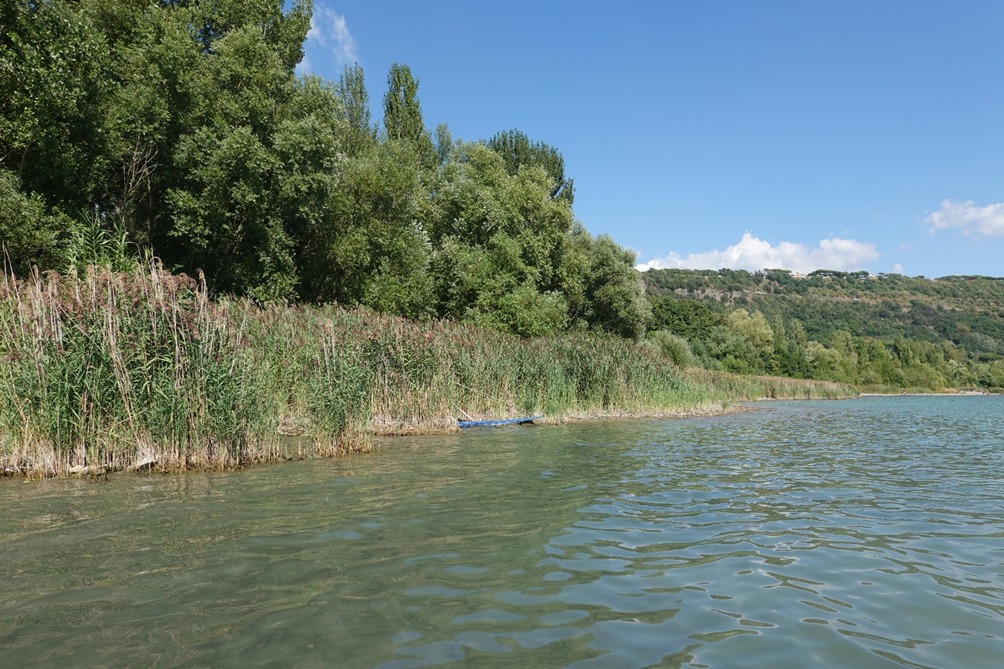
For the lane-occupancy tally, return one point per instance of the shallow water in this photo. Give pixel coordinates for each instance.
(863, 533)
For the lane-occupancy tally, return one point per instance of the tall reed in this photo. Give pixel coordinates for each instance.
(738, 387)
(109, 370)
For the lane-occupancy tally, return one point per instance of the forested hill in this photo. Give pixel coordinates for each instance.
(885, 329)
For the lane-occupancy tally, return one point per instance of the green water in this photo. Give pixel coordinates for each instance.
(864, 533)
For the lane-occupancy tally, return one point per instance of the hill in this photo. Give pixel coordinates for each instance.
(885, 329)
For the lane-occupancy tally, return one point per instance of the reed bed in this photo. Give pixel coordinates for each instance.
(104, 371)
(111, 370)
(738, 387)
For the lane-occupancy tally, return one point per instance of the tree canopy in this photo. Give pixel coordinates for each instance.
(181, 129)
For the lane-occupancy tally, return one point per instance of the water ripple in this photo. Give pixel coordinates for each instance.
(866, 533)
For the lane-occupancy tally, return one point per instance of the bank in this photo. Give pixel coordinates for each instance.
(110, 371)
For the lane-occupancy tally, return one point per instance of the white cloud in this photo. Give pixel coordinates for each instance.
(969, 216)
(329, 33)
(753, 253)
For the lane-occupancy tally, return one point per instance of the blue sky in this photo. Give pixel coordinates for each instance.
(798, 134)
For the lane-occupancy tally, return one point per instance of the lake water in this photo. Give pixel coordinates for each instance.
(861, 533)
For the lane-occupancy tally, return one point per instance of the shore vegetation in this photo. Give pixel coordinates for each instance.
(106, 370)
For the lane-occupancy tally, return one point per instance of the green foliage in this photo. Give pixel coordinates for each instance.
(228, 213)
(402, 113)
(885, 331)
(672, 346)
(614, 297)
(686, 317)
(94, 242)
(54, 64)
(498, 240)
(109, 369)
(184, 124)
(372, 249)
(351, 91)
(29, 234)
(518, 150)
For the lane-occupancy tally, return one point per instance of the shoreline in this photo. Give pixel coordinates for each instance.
(388, 428)
(297, 438)
(961, 393)
(382, 427)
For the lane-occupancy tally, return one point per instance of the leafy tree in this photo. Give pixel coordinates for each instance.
(282, 25)
(614, 293)
(444, 143)
(29, 233)
(672, 346)
(145, 113)
(517, 150)
(225, 214)
(233, 206)
(54, 64)
(824, 363)
(789, 357)
(307, 145)
(375, 250)
(499, 240)
(351, 91)
(402, 113)
(754, 328)
(691, 319)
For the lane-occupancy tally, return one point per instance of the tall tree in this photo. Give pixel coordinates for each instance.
(615, 298)
(518, 150)
(29, 234)
(54, 67)
(402, 113)
(351, 90)
(371, 249)
(498, 239)
(228, 212)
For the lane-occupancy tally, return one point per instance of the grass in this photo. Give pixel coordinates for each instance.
(108, 370)
(735, 387)
(111, 369)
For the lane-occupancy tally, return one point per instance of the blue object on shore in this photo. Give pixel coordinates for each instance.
(495, 423)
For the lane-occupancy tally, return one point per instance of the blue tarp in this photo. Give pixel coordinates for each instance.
(493, 423)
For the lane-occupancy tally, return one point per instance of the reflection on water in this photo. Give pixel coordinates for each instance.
(867, 533)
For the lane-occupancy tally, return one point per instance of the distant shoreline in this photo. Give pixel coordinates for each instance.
(961, 393)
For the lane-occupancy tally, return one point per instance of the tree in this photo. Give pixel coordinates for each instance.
(54, 66)
(29, 233)
(402, 113)
(498, 240)
(744, 343)
(689, 318)
(517, 150)
(375, 251)
(157, 116)
(226, 207)
(672, 346)
(351, 90)
(614, 291)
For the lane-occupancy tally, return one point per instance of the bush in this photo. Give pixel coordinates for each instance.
(673, 347)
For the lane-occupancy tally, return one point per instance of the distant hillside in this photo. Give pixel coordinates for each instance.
(954, 323)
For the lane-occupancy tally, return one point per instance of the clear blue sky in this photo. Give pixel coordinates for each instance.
(798, 134)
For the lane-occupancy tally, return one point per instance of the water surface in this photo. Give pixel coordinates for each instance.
(864, 533)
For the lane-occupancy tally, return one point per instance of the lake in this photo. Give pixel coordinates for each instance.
(857, 533)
